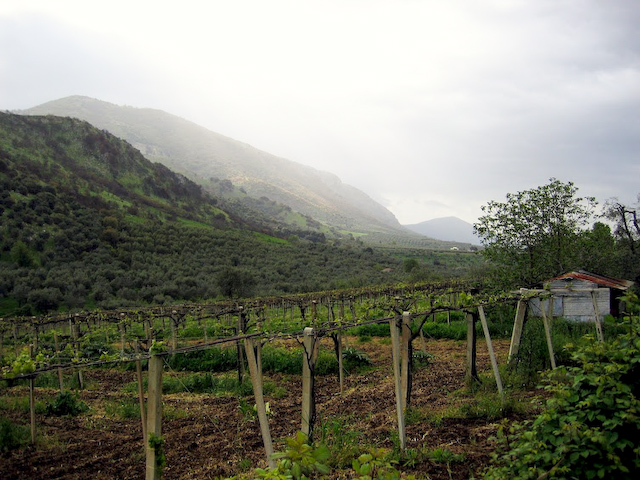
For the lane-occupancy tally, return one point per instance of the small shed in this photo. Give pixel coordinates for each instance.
(578, 295)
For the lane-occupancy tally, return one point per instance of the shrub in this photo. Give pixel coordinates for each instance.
(12, 436)
(353, 359)
(66, 403)
(590, 426)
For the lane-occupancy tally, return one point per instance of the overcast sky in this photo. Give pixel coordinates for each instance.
(431, 107)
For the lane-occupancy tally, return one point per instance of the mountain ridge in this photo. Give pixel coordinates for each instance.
(203, 155)
(86, 221)
(446, 229)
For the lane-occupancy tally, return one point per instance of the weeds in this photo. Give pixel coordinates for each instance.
(12, 435)
(66, 403)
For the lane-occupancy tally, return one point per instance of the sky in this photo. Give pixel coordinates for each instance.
(433, 108)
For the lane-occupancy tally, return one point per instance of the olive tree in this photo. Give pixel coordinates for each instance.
(536, 233)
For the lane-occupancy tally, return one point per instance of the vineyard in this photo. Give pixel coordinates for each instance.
(228, 382)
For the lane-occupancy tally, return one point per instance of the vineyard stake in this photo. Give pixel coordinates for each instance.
(492, 355)
(174, 333)
(57, 347)
(32, 402)
(143, 412)
(308, 364)
(404, 349)
(255, 370)
(340, 362)
(154, 416)
(32, 408)
(547, 333)
(518, 325)
(471, 371)
(598, 324)
(396, 360)
(75, 333)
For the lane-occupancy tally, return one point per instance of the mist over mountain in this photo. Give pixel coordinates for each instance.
(450, 229)
(207, 158)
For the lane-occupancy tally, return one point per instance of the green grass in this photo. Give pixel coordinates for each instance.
(269, 239)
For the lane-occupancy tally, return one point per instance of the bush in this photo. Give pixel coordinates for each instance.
(589, 428)
(12, 436)
(66, 403)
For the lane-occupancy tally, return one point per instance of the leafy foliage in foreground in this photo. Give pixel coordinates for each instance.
(590, 427)
(302, 461)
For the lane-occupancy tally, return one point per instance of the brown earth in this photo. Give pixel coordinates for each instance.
(208, 436)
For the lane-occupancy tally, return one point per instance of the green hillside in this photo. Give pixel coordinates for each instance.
(86, 221)
(208, 158)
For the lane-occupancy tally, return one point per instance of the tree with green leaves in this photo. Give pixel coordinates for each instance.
(627, 233)
(536, 233)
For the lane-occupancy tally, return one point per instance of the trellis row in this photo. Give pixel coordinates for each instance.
(401, 335)
(203, 311)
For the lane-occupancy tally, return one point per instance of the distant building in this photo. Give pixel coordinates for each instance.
(579, 295)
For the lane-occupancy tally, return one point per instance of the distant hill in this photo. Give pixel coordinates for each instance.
(209, 158)
(450, 229)
(87, 221)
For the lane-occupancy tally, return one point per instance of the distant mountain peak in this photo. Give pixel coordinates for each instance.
(451, 229)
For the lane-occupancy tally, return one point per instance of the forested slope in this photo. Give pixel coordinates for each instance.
(207, 156)
(87, 221)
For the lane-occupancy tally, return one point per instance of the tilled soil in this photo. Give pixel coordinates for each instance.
(208, 436)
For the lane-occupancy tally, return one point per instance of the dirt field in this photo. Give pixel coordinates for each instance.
(207, 436)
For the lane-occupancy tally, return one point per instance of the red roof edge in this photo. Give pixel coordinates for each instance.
(616, 283)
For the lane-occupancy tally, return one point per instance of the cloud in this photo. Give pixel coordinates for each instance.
(432, 108)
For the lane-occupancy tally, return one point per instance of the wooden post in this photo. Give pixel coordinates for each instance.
(143, 411)
(492, 355)
(206, 334)
(35, 338)
(174, 334)
(471, 371)
(76, 344)
(255, 370)
(121, 329)
(57, 347)
(405, 355)
(340, 362)
(547, 332)
(308, 401)
(15, 337)
(154, 419)
(518, 325)
(32, 402)
(32, 408)
(598, 324)
(240, 359)
(396, 360)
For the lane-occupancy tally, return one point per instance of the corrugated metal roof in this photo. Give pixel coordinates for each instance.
(597, 279)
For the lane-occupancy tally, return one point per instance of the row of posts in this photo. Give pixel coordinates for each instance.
(401, 337)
